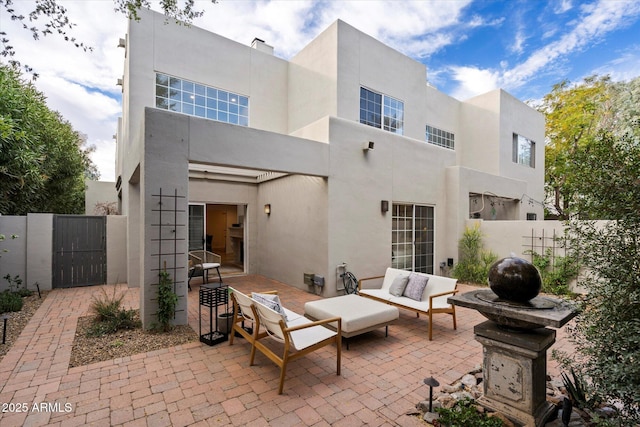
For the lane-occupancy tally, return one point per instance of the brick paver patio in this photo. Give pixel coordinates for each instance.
(196, 384)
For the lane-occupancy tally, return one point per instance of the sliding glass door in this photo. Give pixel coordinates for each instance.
(412, 242)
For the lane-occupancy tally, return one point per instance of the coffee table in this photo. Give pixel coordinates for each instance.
(359, 314)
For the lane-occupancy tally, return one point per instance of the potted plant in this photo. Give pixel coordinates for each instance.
(224, 322)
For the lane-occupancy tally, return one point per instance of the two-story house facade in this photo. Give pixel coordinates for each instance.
(341, 154)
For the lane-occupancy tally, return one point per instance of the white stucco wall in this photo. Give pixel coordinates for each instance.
(516, 237)
(116, 249)
(13, 252)
(399, 170)
(293, 239)
(99, 192)
(40, 250)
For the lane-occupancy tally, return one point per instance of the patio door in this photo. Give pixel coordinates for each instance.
(412, 241)
(196, 227)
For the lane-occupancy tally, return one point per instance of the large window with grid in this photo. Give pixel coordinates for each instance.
(381, 111)
(440, 137)
(524, 151)
(412, 240)
(184, 96)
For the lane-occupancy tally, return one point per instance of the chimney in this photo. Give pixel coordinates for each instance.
(261, 46)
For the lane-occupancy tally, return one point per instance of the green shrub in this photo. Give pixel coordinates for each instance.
(123, 319)
(167, 302)
(474, 261)
(606, 334)
(110, 316)
(464, 414)
(105, 306)
(556, 272)
(9, 302)
(24, 292)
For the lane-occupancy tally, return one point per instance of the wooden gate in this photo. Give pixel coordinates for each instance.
(79, 250)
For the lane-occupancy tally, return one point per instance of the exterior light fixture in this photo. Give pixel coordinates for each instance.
(267, 209)
(431, 382)
(368, 146)
(384, 206)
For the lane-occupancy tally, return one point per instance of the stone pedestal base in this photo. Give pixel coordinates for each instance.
(515, 371)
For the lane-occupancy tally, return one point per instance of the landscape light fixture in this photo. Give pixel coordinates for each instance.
(4, 329)
(431, 382)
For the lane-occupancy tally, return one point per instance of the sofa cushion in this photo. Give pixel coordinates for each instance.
(380, 294)
(398, 286)
(390, 275)
(415, 286)
(271, 301)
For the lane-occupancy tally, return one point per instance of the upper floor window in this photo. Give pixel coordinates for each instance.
(198, 100)
(524, 151)
(381, 111)
(440, 137)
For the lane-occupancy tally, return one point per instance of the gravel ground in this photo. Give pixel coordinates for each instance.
(88, 350)
(18, 320)
(123, 343)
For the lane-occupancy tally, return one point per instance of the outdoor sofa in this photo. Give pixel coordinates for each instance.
(418, 292)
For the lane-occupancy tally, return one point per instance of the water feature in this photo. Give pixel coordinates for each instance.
(515, 339)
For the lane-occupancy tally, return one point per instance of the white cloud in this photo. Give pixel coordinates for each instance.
(473, 81)
(289, 26)
(597, 20)
(518, 43)
(562, 6)
(623, 68)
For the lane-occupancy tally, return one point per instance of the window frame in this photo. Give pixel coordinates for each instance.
(383, 117)
(440, 137)
(520, 155)
(199, 100)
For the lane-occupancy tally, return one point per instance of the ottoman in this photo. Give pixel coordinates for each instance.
(359, 314)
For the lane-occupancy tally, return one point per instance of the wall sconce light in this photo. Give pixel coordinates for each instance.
(368, 146)
(267, 209)
(384, 206)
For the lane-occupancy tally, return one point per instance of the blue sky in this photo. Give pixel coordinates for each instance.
(469, 47)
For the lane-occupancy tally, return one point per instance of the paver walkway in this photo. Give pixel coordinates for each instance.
(201, 385)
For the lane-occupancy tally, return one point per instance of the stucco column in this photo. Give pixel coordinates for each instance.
(164, 210)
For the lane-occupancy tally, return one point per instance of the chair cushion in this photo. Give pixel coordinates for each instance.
(398, 286)
(307, 337)
(415, 286)
(271, 301)
(209, 265)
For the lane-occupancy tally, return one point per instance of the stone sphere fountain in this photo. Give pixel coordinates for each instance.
(515, 339)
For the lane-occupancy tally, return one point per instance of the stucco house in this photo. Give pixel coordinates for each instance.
(342, 154)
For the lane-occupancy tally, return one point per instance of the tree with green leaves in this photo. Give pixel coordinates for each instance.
(42, 163)
(607, 331)
(50, 17)
(572, 115)
(575, 115)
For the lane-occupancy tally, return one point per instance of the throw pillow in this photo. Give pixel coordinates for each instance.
(415, 286)
(271, 301)
(398, 285)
